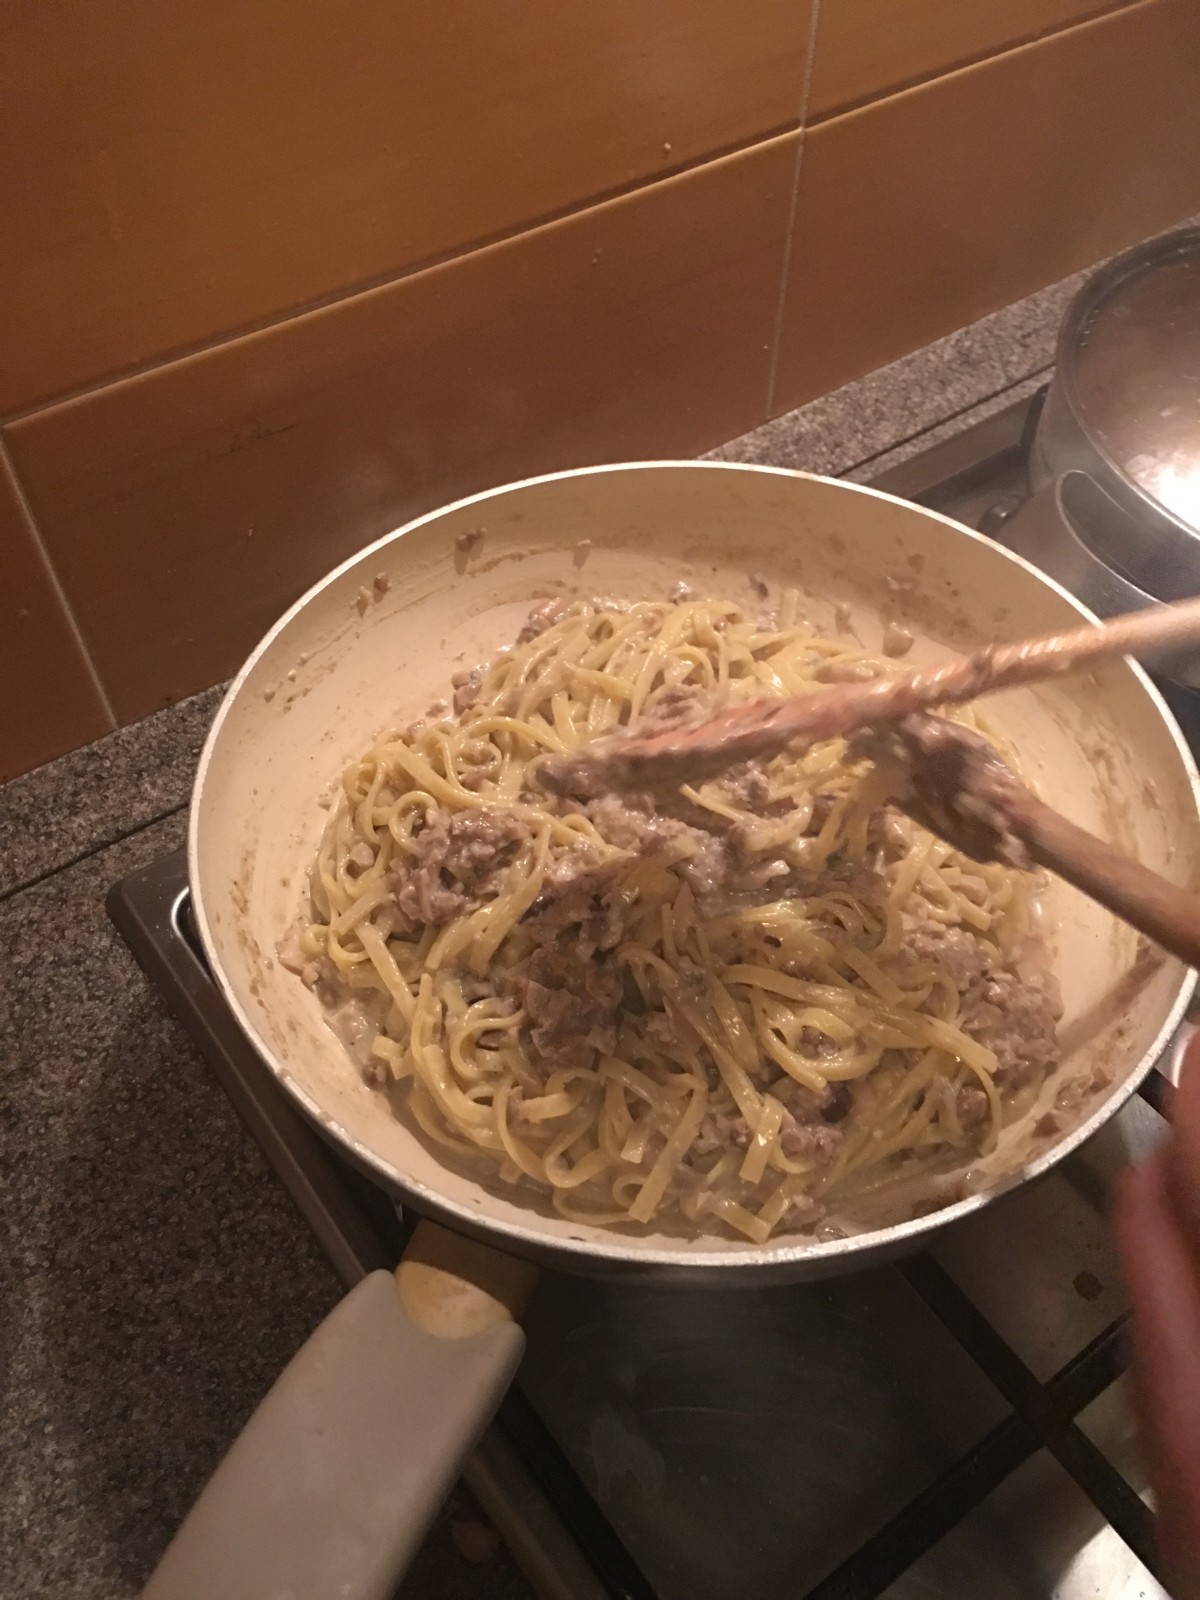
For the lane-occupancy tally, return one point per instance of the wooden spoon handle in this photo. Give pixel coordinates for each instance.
(757, 729)
(1143, 633)
(1168, 915)
(1155, 631)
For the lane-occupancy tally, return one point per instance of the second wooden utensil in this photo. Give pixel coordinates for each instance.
(953, 783)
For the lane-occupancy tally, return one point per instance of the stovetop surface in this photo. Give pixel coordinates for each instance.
(904, 1431)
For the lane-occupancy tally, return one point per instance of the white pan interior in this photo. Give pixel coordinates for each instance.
(379, 639)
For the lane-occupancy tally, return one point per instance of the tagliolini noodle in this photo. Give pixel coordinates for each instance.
(731, 1009)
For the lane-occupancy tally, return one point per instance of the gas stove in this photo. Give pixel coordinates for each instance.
(956, 1424)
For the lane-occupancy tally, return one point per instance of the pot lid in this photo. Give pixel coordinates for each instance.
(1135, 369)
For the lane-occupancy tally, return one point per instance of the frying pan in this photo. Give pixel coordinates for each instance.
(332, 1483)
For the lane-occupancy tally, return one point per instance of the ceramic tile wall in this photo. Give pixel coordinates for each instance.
(173, 172)
(920, 212)
(273, 282)
(208, 493)
(869, 47)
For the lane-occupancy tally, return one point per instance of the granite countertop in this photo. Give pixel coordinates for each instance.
(157, 1276)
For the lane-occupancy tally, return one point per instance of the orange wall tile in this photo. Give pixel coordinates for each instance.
(174, 171)
(867, 47)
(187, 507)
(922, 212)
(49, 703)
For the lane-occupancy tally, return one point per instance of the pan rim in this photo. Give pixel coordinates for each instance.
(787, 1257)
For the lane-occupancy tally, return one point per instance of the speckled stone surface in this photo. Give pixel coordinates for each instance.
(870, 469)
(156, 1277)
(101, 793)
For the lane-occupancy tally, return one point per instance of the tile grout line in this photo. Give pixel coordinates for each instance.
(177, 355)
(793, 204)
(95, 849)
(8, 465)
(922, 80)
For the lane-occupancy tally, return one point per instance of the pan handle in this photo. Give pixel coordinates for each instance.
(329, 1488)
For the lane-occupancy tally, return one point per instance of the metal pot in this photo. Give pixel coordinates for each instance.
(330, 1486)
(1076, 532)
(1115, 461)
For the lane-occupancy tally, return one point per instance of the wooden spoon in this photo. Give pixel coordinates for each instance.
(692, 748)
(953, 783)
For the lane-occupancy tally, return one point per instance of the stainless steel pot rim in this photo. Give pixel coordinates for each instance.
(1183, 241)
(772, 1261)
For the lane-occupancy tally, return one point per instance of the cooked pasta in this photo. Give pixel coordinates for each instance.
(730, 1009)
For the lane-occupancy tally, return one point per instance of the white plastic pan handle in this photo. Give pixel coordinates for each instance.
(331, 1485)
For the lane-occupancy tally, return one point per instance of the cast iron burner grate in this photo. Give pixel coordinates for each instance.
(526, 1480)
